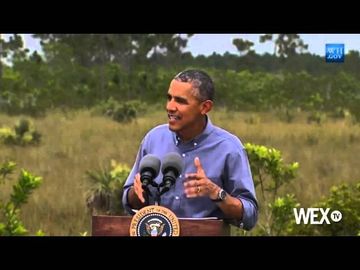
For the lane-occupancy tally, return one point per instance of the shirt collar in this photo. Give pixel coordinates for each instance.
(199, 138)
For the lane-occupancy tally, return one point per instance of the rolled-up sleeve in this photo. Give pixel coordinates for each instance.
(240, 185)
(130, 180)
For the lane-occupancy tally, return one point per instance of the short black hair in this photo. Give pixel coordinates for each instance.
(200, 81)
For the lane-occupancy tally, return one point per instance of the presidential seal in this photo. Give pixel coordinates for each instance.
(154, 220)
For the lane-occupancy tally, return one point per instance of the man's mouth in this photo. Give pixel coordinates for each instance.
(173, 117)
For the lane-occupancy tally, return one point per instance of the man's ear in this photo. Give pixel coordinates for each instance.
(206, 106)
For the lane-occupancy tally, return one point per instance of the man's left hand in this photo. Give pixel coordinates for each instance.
(197, 184)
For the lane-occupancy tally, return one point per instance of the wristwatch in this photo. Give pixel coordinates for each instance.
(221, 196)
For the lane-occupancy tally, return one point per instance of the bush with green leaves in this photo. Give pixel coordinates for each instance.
(282, 215)
(346, 199)
(127, 111)
(10, 222)
(341, 113)
(287, 113)
(120, 111)
(22, 134)
(25, 103)
(270, 172)
(105, 107)
(268, 168)
(316, 117)
(105, 193)
(253, 119)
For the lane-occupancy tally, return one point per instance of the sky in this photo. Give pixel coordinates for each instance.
(206, 44)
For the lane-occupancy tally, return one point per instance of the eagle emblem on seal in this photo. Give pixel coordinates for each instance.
(155, 227)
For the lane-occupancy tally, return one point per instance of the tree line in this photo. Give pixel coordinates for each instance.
(81, 70)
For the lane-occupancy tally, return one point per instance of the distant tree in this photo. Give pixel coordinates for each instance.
(11, 48)
(127, 50)
(124, 49)
(352, 63)
(243, 46)
(168, 47)
(285, 44)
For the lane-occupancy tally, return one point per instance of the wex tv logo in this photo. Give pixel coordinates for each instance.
(316, 215)
(334, 53)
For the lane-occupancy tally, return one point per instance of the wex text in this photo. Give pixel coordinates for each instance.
(316, 215)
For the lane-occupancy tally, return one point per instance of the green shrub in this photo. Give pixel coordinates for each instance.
(282, 215)
(341, 113)
(23, 134)
(346, 199)
(120, 111)
(317, 117)
(253, 119)
(10, 222)
(270, 173)
(106, 189)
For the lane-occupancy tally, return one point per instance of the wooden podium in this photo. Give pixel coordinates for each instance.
(120, 226)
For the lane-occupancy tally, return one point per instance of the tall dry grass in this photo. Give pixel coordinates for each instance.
(75, 142)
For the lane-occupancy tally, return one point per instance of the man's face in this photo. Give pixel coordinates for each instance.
(183, 108)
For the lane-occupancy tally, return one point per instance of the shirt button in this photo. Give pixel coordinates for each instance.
(183, 155)
(195, 144)
(177, 197)
(180, 175)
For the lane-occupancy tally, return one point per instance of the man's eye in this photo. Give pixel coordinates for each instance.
(181, 101)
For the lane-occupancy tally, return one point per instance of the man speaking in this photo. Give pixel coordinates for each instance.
(213, 177)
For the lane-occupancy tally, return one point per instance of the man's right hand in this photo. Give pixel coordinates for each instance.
(139, 191)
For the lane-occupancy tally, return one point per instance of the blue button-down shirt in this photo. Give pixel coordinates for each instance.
(224, 161)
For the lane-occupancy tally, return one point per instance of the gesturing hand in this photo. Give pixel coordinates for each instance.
(139, 191)
(197, 184)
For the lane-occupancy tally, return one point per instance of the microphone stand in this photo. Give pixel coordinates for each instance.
(159, 192)
(164, 188)
(157, 197)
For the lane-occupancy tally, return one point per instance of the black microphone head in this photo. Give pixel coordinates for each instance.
(150, 162)
(172, 161)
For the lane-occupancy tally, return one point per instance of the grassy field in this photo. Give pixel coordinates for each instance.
(75, 142)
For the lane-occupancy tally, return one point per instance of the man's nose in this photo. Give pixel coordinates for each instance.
(171, 105)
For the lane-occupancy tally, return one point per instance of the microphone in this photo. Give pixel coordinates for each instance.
(149, 169)
(172, 166)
